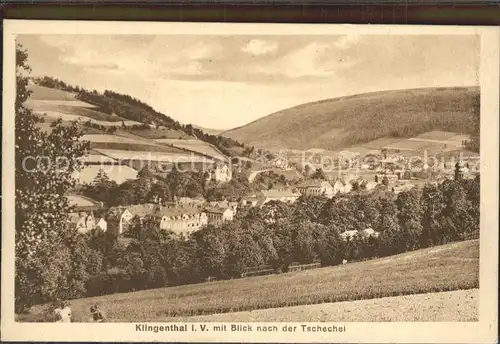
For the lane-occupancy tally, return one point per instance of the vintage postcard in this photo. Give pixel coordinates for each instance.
(249, 182)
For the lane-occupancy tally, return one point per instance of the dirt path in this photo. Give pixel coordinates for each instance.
(461, 305)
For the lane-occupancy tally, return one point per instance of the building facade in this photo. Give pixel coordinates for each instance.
(316, 188)
(217, 216)
(286, 196)
(181, 220)
(83, 221)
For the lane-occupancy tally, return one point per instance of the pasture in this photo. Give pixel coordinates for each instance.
(47, 93)
(449, 267)
(193, 145)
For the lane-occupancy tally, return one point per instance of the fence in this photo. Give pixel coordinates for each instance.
(267, 270)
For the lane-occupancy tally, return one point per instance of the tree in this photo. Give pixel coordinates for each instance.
(242, 250)
(45, 163)
(211, 251)
(410, 213)
(474, 126)
(160, 193)
(385, 181)
(318, 174)
(101, 188)
(432, 203)
(304, 236)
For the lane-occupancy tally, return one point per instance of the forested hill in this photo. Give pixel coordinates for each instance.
(340, 123)
(130, 108)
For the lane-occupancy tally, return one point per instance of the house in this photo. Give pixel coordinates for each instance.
(368, 185)
(217, 216)
(349, 234)
(119, 218)
(280, 162)
(192, 202)
(181, 220)
(368, 232)
(391, 178)
(221, 173)
(102, 224)
(286, 196)
(83, 221)
(250, 200)
(316, 188)
(339, 186)
(82, 203)
(224, 204)
(403, 187)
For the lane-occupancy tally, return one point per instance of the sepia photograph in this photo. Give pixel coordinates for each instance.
(244, 181)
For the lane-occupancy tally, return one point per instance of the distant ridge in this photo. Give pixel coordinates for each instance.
(357, 119)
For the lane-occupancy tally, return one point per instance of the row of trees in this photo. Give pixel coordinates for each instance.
(149, 187)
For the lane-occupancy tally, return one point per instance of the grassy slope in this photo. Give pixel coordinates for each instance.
(354, 120)
(40, 95)
(46, 93)
(45, 99)
(448, 267)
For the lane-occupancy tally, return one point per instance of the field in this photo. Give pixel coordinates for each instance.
(80, 111)
(108, 138)
(52, 104)
(46, 93)
(161, 133)
(117, 173)
(443, 268)
(458, 305)
(193, 145)
(137, 147)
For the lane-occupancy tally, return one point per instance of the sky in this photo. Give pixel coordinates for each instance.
(223, 82)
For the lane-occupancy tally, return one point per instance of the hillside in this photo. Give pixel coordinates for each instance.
(344, 122)
(51, 104)
(453, 266)
(54, 98)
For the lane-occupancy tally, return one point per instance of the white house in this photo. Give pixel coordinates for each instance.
(368, 232)
(316, 188)
(221, 173)
(217, 216)
(83, 221)
(286, 196)
(102, 224)
(340, 186)
(181, 220)
(119, 218)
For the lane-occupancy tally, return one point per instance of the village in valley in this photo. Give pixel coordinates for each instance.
(374, 191)
(383, 169)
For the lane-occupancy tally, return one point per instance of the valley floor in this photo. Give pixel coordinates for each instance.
(460, 305)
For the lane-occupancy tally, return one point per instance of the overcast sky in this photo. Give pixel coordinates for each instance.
(226, 81)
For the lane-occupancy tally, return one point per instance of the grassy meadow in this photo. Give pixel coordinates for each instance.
(443, 268)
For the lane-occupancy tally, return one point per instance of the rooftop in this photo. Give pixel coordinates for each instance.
(312, 184)
(177, 211)
(80, 201)
(141, 210)
(275, 193)
(216, 210)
